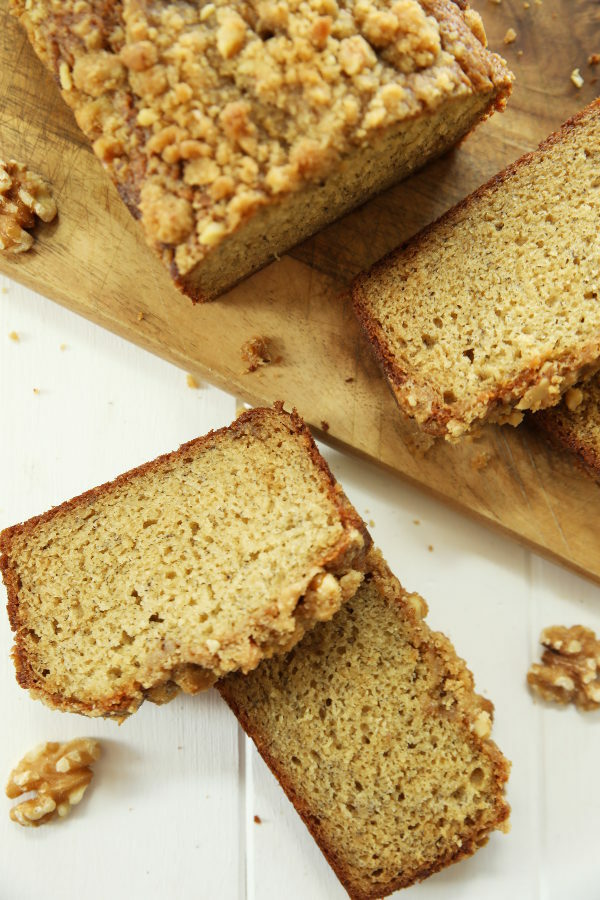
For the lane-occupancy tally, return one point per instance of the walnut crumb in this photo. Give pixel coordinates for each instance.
(36, 391)
(577, 78)
(256, 353)
(23, 197)
(257, 820)
(510, 36)
(58, 774)
(13, 336)
(573, 398)
(593, 59)
(570, 667)
(140, 317)
(192, 382)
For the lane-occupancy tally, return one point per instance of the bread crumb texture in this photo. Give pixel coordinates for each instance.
(202, 562)
(494, 310)
(372, 726)
(205, 112)
(256, 353)
(570, 667)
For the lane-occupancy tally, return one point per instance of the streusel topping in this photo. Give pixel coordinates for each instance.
(224, 106)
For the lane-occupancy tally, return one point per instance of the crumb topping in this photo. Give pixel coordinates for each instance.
(217, 108)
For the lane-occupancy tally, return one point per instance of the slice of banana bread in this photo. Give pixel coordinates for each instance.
(201, 562)
(574, 425)
(494, 309)
(234, 129)
(373, 729)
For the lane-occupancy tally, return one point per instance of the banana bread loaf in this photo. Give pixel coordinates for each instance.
(204, 561)
(235, 128)
(494, 309)
(373, 729)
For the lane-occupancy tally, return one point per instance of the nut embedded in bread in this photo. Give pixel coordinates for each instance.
(493, 310)
(197, 564)
(374, 731)
(234, 129)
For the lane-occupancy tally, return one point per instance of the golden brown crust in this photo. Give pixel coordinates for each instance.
(396, 375)
(429, 643)
(119, 704)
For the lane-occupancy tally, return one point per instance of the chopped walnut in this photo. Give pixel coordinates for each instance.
(58, 774)
(23, 196)
(256, 353)
(570, 668)
(510, 36)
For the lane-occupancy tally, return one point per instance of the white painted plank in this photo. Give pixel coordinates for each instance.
(569, 749)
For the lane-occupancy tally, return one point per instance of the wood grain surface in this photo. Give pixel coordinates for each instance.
(94, 261)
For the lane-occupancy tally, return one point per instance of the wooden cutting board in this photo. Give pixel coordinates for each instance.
(94, 261)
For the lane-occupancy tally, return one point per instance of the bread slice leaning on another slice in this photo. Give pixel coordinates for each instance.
(373, 729)
(494, 309)
(574, 425)
(234, 130)
(199, 563)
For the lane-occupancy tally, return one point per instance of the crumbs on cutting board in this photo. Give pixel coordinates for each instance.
(256, 353)
(593, 59)
(510, 36)
(577, 78)
(324, 425)
(140, 317)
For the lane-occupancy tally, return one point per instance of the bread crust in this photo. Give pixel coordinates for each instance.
(118, 704)
(396, 374)
(470, 842)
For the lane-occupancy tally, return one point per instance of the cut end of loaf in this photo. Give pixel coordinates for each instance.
(373, 729)
(202, 562)
(493, 310)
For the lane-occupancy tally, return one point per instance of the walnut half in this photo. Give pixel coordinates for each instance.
(59, 775)
(23, 196)
(570, 668)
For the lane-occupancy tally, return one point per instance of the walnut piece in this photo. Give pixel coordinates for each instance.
(256, 353)
(58, 773)
(570, 668)
(23, 196)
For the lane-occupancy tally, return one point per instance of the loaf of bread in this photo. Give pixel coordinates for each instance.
(373, 729)
(494, 309)
(201, 562)
(574, 425)
(235, 129)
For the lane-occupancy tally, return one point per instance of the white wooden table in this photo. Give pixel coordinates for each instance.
(171, 811)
